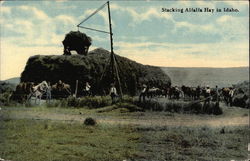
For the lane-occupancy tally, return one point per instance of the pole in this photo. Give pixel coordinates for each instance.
(111, 44)
(114, 71)
(76, 88)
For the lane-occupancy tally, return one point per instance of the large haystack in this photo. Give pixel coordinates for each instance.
(90, 68)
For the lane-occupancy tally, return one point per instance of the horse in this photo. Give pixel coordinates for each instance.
(38, 91)
(191, 92)
(226, 95)
(153, 92)
(22, 91)
(174, 93)
(61, 90)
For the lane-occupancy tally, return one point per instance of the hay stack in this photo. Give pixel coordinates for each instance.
(90, 68)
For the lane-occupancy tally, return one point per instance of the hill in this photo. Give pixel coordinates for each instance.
(90, 68)
(9, 85)
(14, 81)
(6, 87)
(207, 76)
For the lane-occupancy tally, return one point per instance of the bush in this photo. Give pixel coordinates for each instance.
(128, 99)
(57, 103)
(5, 99)
(149, 105)
(195, 108)
(95, 102)
(90, 102)
(72, 101)
(178, 106)
(89, 121)
(129, 106)
(181, 107)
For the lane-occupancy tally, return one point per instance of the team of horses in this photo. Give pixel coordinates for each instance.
(27, 90)
(231, 96)
(174, 92)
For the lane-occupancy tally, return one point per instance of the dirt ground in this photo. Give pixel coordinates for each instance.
(232, 116)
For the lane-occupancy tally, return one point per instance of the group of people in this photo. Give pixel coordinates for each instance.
(208, 93)
(112, 92)
(86, 91)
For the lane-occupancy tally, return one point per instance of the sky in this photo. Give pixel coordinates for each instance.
(141, 32)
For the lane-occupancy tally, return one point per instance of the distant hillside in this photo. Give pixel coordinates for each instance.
(15, 80)
(6, 87)
(207, 76)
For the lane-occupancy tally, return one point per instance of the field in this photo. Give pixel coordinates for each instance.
(58, 133)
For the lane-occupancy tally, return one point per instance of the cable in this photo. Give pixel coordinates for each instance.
(93, 29)
(93, 13)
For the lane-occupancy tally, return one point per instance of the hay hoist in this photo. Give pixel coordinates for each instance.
(112, 61)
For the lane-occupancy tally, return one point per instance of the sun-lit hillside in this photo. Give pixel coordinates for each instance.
(207, 76)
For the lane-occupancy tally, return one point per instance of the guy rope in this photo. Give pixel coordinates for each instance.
(112, 61)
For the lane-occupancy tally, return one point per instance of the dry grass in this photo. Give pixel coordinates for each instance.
(120, 134)
(199, 143)
(26, 140)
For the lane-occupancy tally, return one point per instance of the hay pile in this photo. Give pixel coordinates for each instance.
(90, 68)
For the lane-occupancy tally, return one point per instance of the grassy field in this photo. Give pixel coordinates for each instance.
(26, 140)
(189, 143)
(48, 133)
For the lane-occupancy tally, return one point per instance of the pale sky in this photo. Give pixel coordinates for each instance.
(142, 32)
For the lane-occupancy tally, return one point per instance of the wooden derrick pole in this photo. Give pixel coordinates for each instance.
(75, 95)
(113, 63)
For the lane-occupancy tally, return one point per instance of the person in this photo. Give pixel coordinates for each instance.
(87, 89)
(59, 85)
(208, 91)
(217, 93)
(143, 93)
(176, 92)
(48, 92)
(113, 93)
(231, 94)
(207, 95)
(198, 92)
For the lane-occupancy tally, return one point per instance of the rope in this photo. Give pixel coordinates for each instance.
(105, 68)
(92, 29)
(202, 99)
(68, 91)
(90, 17)
(191, 102)
(92, 14)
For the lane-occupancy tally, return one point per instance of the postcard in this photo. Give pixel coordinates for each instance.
(123, 80)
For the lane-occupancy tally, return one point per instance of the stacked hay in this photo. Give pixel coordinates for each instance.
(90, 68)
